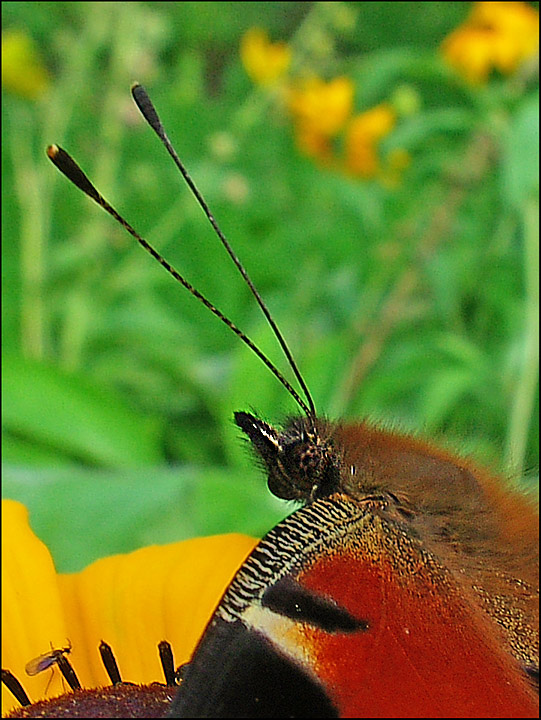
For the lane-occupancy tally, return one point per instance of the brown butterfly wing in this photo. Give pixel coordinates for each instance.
(339, 613)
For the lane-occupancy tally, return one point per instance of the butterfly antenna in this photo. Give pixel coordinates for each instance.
(145, 105)
(67, 165)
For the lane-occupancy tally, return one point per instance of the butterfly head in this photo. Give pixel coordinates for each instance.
(300, 460)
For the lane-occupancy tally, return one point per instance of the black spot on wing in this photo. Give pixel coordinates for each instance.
(236, 673)
(290, 599)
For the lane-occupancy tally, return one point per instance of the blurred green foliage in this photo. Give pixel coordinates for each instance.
(414, 305)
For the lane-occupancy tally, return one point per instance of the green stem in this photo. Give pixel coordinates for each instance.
(28, 186)
(524, 398)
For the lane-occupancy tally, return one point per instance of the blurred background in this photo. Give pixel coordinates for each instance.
(375, 166)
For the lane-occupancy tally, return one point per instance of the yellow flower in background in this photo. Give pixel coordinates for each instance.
(363, 135)
(322, 106)
(23, 72)
(264, 61)
(132, 601)
(320, 110)
(496, 36)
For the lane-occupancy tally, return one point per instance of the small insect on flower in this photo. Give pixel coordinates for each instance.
(46, 660)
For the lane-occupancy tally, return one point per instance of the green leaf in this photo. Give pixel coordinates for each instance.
(83, 515)
(520, 160)
(68, 415)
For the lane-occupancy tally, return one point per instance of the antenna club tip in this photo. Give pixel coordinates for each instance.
(52, 151)
(135, 85)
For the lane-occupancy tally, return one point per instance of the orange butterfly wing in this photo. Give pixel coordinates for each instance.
(339, 613)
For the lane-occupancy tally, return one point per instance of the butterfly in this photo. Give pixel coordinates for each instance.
(404, 586)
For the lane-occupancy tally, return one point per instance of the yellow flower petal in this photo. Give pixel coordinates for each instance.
(363, 135)
(322, 107)
(32, 613)
(131, 601)
(156, 593)
(265, 62)
(496, 36)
